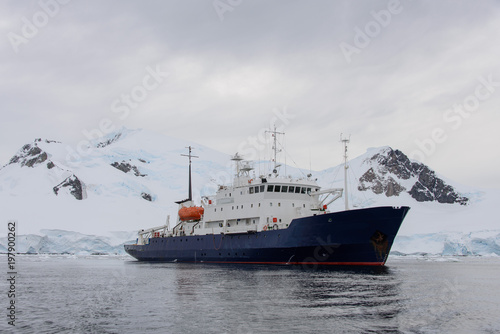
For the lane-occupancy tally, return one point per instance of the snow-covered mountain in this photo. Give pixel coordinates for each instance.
(124, 181)
(130, 180)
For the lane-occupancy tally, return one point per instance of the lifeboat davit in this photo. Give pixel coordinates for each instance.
(191, 213)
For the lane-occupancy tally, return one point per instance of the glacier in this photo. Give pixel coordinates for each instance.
(70, 242)
(480, 243)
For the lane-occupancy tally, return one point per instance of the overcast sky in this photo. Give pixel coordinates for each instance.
(420, 76)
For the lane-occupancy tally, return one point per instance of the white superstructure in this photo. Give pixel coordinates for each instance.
(251, 205)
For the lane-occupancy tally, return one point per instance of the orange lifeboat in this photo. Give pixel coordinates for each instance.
(191, 213)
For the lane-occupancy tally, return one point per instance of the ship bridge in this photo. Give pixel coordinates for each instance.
(253, 204)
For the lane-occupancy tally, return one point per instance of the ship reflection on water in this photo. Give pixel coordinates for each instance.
(252, 299)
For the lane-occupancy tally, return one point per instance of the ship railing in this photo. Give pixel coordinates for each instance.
(181, 229)
(178, 229)
(241, 230)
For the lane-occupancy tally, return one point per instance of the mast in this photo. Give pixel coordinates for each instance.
(345, 141)
(190, 198)
(275, 148)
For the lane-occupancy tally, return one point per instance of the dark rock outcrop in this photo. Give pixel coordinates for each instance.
(429, 187)
(74, 184)
(379, 183)
(109, 141)
(394, 162)
(127, 167)
(146, 196)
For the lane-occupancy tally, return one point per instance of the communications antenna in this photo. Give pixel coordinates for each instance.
(275, 148)
(345, 141)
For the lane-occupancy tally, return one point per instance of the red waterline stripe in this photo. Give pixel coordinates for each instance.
(300, 263)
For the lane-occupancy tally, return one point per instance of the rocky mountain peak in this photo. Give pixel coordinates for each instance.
(31, 155)
(389, 169)
(394, 162)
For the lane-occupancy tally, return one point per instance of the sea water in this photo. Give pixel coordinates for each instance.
(116, 294)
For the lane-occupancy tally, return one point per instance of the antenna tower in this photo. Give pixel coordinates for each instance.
(345, 141)
(190, 198)
(275, 148)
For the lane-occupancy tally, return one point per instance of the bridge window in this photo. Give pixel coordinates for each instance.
(309, 191)
(303, 190)
(297, 190)
(261, 189)
(250, 190)
(284, 189)
(270, 188)
(277, 189)
(291, 189)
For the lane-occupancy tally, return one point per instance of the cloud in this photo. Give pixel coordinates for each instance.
(226, 76)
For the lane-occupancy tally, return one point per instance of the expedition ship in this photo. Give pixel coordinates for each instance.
(272, 220)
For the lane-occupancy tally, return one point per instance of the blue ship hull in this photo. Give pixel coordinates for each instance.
(355, 237)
